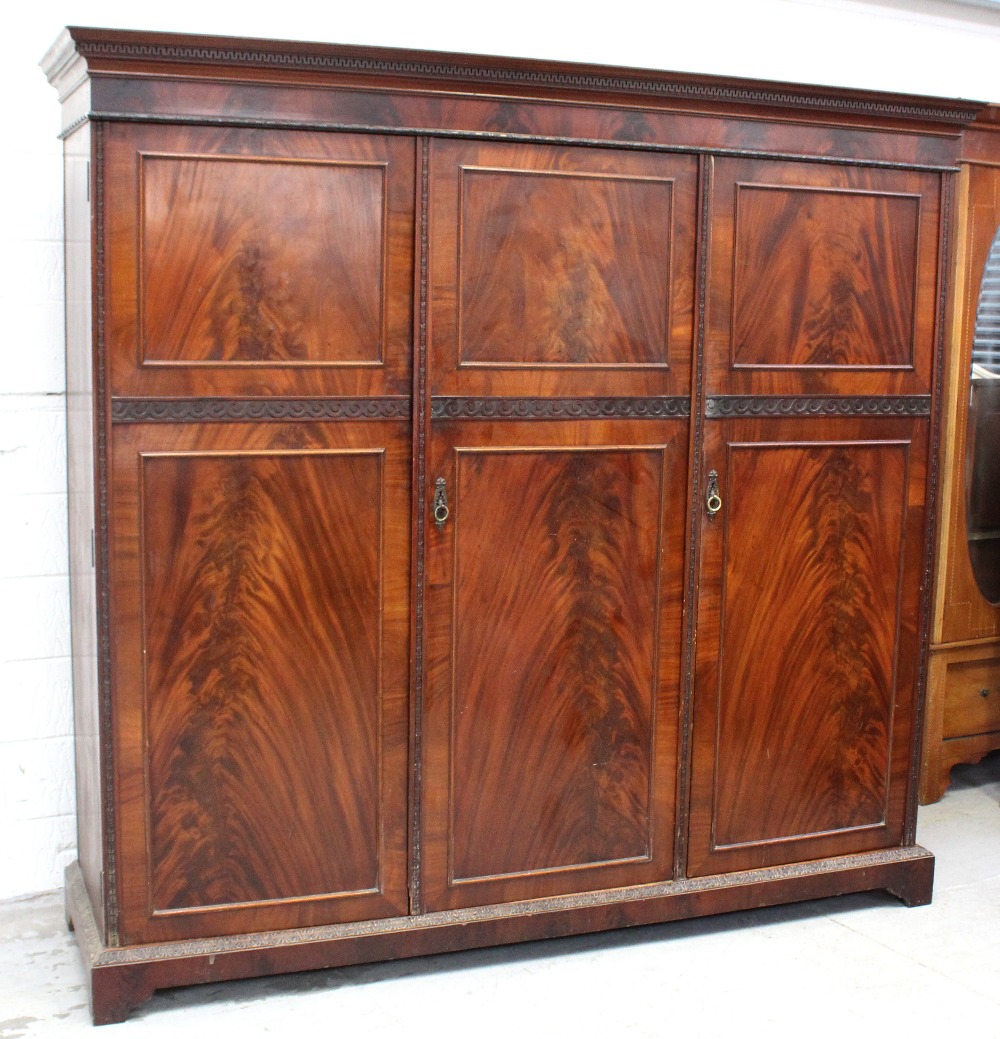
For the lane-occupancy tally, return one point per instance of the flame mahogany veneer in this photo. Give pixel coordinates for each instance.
(501, 497)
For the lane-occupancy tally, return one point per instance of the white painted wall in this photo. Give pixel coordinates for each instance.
(921, 46)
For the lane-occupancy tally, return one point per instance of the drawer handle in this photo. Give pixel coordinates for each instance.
(440, 503)
(984, 693)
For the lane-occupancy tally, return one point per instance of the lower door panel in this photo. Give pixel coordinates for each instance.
(807, 647)
(554, 632)
(261, 589)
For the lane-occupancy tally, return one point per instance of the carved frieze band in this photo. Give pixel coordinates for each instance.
(559, 407)
(457, 71)
(239, 409)
(754, 407)
(233, 409)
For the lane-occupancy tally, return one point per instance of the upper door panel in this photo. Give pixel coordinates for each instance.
(560, 270)
(822, 279)
(252, 262)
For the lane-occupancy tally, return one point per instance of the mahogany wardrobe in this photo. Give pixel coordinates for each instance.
(501, 497)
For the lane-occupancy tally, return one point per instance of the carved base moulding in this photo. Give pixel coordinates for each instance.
(121, 979)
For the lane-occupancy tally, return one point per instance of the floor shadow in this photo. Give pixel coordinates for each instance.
(241, 993)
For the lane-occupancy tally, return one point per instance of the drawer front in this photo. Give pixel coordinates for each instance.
(967, 710)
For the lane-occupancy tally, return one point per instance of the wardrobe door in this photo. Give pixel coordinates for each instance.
(823, 279)
(257, 320)
(560, 358)
(818, 368)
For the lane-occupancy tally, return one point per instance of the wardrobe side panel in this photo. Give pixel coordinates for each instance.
(81, 434)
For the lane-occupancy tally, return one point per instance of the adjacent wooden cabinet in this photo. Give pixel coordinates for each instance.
(511, 490)
(963, 696)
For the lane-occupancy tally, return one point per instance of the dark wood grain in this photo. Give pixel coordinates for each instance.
(644, 126)
(229, 251)
(273, 698)
(576, 641)
(230, 227)
(822, 279)
(560, 271)
(562, 268)
(121, 51)
(800, 746)
(554, 628)
(261, 596)
(816, 733)
(434, 90)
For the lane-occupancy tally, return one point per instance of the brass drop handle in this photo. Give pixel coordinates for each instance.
(440, 503)
(713, 501)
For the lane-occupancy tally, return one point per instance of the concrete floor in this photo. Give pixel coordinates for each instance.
(858, 965)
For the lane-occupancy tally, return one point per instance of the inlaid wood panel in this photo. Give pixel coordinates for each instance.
(260, 262)
(554, 657)
(271, 629)
(558, 270)
(823, 279)
(800, 743)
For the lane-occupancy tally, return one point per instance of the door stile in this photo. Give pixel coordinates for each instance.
(706, 166)
(421, 422)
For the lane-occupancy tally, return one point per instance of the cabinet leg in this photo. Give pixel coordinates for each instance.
(115, 988)
(115, 992)
(914, 885)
